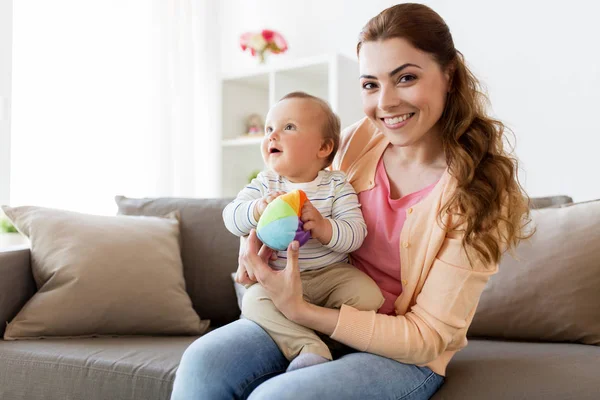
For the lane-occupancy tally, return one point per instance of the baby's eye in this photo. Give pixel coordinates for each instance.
(268, 130)
(290, 127)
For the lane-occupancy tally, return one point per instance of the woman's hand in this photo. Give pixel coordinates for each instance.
(284, 287)
(244, 273)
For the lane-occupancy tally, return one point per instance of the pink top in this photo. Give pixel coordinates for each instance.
(378, 256)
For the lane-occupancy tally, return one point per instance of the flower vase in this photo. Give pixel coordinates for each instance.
(261, 57)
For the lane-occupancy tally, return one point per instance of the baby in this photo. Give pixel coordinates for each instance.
(302, 135)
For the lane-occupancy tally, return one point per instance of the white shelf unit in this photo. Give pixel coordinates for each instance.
(332, 77)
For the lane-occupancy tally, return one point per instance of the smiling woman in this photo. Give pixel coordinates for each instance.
(419, 93)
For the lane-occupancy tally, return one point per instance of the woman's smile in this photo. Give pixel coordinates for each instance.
(398, 121)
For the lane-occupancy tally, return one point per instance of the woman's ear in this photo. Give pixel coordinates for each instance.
(326, 148)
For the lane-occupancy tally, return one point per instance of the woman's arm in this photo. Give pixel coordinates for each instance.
(320, 319)
(444, 306)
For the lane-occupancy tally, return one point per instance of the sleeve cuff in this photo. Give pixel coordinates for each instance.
(354, 328)
(335, 234)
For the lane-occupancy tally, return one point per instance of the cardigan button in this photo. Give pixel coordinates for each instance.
(406, 245)
(404, 282)
(410, 210)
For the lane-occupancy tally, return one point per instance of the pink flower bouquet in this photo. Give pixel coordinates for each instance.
(261, 42)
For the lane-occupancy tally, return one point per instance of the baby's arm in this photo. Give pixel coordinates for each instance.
(346, 230)
(349, 229)
(239, 215)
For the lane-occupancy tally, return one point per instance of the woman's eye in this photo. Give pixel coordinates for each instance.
(407, 78)
(368, 85)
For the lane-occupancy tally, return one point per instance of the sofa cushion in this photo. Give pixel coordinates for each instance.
(551, 290)
(144, 367)
(133, 368)
(209, 251)
(99, 275)
(499, 370)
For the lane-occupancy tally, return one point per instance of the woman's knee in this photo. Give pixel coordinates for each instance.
(209, 354)
(226, 362)
(200, 357)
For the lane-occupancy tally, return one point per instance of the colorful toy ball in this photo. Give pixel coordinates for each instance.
(280, 223)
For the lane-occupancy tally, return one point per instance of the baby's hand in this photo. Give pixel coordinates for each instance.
(259, 208)
(314, 222)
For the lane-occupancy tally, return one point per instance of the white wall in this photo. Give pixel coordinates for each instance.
(539, 60)
(5, 96)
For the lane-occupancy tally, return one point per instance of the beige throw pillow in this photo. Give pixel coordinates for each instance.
(551, 290)
(101, 275)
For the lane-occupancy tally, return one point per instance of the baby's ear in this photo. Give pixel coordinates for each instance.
(326, 148)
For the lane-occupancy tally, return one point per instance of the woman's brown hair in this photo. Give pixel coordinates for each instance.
(490, 204)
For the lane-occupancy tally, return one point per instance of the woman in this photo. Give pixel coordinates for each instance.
(441, 201)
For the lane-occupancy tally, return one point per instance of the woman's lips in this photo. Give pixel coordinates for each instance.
(397, 123)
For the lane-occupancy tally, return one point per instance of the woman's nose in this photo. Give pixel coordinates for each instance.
(388, 99)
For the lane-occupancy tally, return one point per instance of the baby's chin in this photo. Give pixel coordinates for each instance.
(281, 170)
(273, 166)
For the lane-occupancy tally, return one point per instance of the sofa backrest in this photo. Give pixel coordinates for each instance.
(209, 251)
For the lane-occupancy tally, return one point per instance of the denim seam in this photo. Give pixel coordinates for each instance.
(418, 387)
(260, 377)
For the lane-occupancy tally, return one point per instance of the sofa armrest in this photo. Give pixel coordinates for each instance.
(550, 201)
(16, 283)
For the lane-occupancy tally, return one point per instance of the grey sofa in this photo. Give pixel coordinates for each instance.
(144, 367)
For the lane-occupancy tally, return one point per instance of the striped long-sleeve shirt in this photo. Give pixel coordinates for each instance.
(330, 193)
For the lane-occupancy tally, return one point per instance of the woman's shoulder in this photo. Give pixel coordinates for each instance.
(361, 129)
(354, 137)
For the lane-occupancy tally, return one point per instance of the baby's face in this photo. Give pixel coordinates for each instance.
(293, 139)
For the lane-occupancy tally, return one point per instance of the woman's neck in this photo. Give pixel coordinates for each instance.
(427, 152)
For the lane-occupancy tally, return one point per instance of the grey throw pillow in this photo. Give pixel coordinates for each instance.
(102, 275)
(551, 290)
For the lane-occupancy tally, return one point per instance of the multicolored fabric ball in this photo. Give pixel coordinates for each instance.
(280, 223)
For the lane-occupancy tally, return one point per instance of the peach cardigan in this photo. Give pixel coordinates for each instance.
(441, 288)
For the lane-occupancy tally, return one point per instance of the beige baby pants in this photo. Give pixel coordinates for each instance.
(329, 287)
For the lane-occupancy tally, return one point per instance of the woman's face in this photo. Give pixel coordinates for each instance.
(403, 90)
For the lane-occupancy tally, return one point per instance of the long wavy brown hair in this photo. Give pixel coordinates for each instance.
(490, 205)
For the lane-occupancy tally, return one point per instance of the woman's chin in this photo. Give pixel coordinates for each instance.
(399, 140)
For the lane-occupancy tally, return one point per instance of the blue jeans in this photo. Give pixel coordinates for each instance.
(241, 361)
